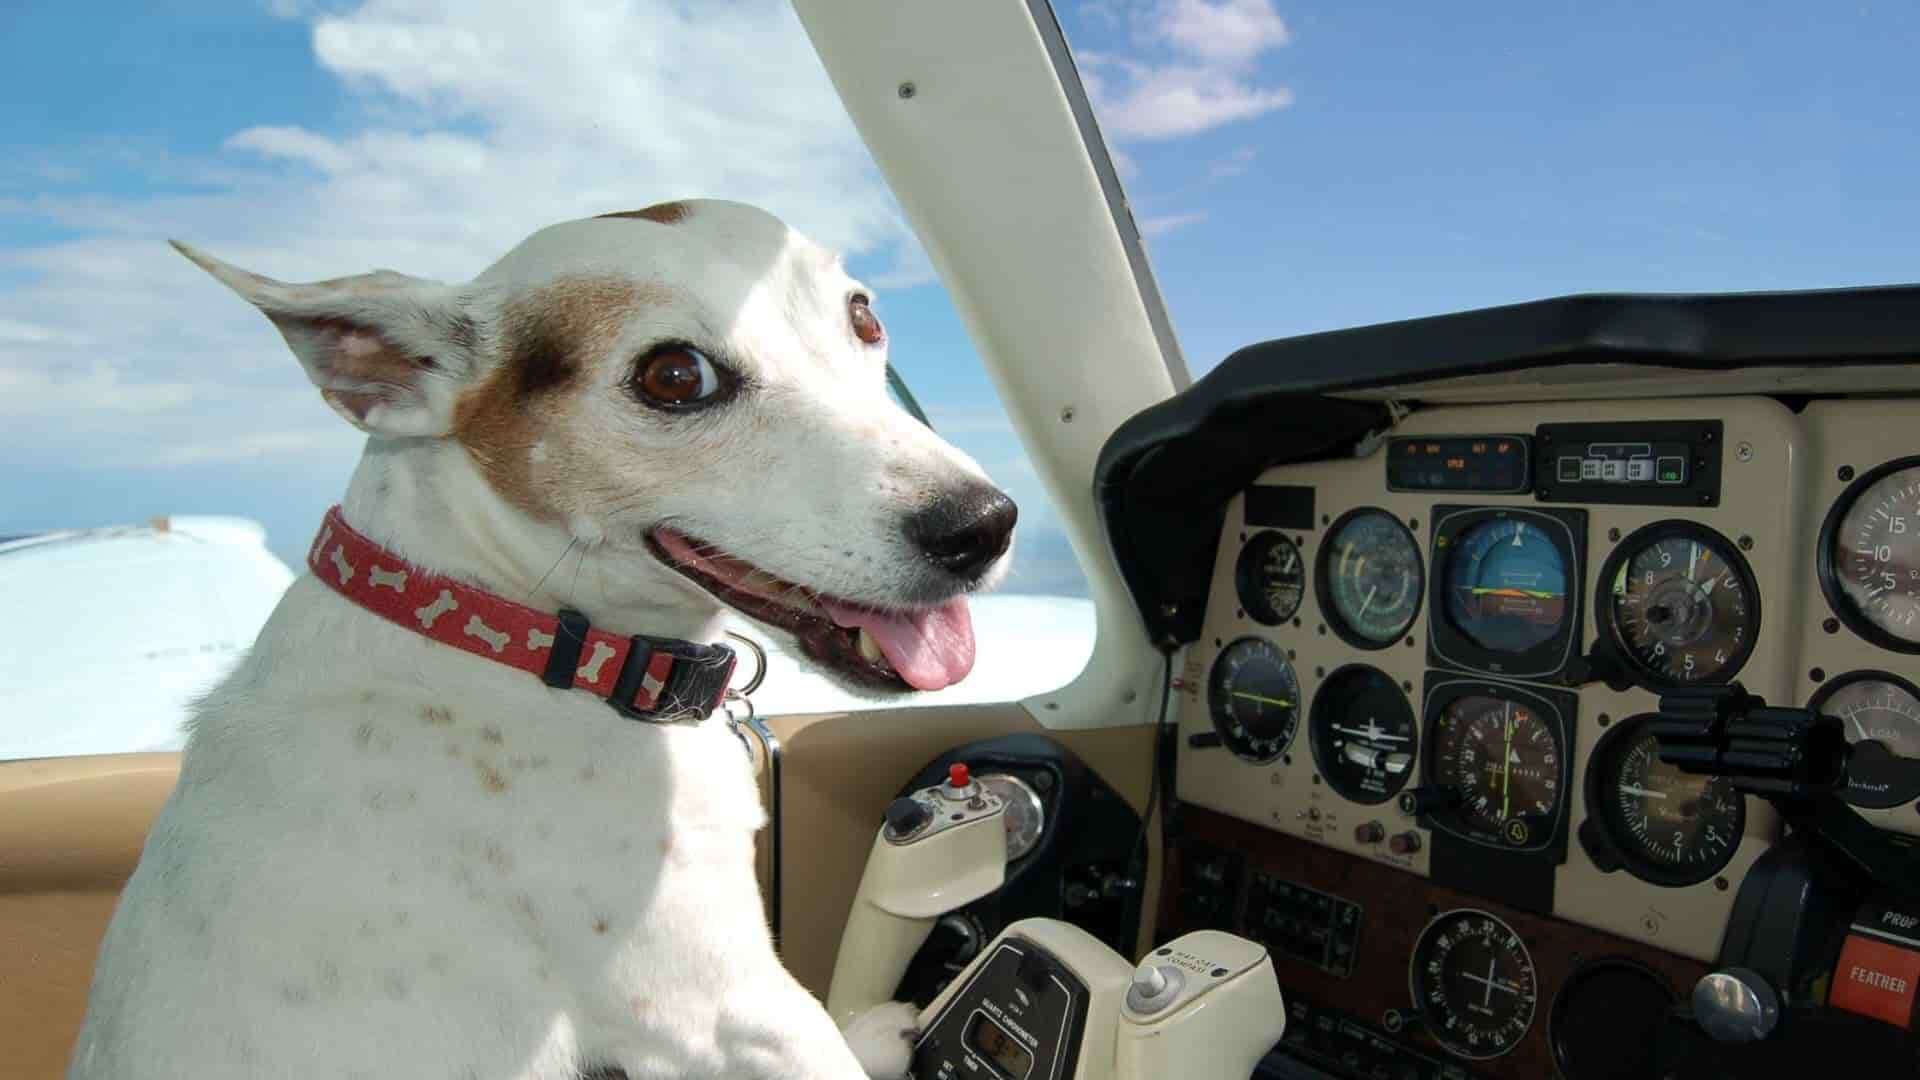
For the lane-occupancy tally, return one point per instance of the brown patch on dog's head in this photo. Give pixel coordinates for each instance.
(666, 213)
(548, 338)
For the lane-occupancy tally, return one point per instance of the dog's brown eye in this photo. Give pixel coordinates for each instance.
(866, 325)
(676, 375)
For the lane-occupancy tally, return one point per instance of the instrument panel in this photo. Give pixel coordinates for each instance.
(1456, 692)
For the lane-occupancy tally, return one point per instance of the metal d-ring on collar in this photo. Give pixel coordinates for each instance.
(749, 730)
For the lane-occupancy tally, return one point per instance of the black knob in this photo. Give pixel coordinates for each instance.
(906, 817)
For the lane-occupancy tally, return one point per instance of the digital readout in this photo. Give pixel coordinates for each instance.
(997, 1045)
(1486, 463)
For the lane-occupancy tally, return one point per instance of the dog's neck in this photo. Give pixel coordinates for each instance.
(424, 500)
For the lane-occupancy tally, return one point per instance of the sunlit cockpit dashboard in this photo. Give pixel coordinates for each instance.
(1438, 577)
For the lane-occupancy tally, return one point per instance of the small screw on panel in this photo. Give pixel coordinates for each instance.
(1067, 414)
(1605, 719)
(1846, 473)
(1746, 543)
(907, 90)
(1743, 452)
(1818, 674)
(1831, 626)
(1613, 535)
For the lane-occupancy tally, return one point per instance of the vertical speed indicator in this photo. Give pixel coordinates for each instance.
(1660, 824)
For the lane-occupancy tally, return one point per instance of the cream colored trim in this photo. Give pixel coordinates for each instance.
(970, 123)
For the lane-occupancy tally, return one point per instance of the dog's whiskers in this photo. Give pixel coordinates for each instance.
(556, 565)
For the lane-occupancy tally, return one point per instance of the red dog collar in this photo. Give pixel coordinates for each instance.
(643, 678)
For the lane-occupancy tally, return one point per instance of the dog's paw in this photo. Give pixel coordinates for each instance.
(882, 1039)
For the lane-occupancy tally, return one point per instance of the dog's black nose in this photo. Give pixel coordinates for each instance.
(963, 533)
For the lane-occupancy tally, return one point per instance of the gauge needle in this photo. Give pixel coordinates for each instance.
(1491, 971)
(1859, 728)
(1693, 557)
(1506, 766)
(1368, 602)
(1645, 793)
(1281, 702)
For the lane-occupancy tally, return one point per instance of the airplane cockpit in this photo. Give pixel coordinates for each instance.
(1527, 691)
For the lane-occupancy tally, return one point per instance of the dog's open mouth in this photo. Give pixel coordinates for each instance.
(914, 649)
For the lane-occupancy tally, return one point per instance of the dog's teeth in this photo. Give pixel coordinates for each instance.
(870, 648)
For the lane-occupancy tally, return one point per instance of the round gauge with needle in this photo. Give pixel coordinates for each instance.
(1880, 713)
(1473, 983)
(1502, 759)
(1660, 824)
(1679, 606)
(1270, 578)
(1363, 733)
(1370, 581)
(1253, 697)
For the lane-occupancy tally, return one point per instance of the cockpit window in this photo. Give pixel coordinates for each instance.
(1301, 166)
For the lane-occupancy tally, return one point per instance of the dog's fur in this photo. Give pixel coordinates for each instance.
(387, 858)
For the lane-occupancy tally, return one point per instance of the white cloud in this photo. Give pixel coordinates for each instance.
(465, 128)
(1232, 165)
(16, 332)
(1166, 223)
(460, 129)
(1204, 74)
(29, 394)
(339, 440)
(1233, 31)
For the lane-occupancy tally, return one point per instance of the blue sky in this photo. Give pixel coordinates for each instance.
(1298, 167)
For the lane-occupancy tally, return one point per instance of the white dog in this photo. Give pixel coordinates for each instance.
(411, 836)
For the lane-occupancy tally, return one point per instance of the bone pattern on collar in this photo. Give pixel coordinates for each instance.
(681, 680)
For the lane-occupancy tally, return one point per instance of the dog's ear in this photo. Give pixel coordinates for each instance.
(389, 352)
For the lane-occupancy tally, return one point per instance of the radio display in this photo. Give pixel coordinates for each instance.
(1494, 464)
(993, 1042)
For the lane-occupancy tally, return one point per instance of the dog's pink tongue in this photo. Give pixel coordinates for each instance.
(930, 649)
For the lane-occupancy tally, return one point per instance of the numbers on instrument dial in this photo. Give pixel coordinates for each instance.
(1880, 713)
(1667, 827)
(1502, 760)
(1254, 698)
(1679, 605)
(1270, 578)
(1869, 559)
(1474, 984)
(1370, 581)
